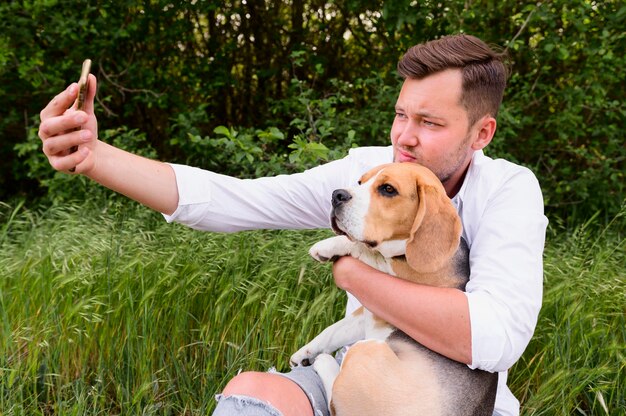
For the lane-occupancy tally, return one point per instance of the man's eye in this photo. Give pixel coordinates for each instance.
(387, 190)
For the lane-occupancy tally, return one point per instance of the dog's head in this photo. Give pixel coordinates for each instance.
(400, 209)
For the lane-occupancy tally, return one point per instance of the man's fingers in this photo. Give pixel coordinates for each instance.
(92, 84)
(60, 144)
(69, 162)
(56, 125)
(60, 128)
(60, 103)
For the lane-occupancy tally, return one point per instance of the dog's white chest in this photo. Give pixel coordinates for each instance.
(376, 328)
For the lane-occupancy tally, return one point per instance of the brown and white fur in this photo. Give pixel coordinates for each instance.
(399, 221)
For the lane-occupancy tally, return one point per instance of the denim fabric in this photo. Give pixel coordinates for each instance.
(311, 383)
(243, 406)
(305, 377)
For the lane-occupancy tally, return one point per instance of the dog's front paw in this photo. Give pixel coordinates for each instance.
(304, 357)
(331, 248)
(326, 366)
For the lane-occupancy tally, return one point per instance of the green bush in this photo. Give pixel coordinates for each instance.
(565, 104)
(61, 187)
(301, 82)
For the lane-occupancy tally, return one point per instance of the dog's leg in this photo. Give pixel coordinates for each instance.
(327, 368)
(344, 332)
(332, 248)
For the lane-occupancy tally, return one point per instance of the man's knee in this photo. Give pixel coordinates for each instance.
(247, 384)
(274, 389)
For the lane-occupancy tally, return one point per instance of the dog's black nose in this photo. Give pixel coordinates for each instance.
(340, 196)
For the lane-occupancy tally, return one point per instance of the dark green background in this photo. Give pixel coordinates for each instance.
(296, 82)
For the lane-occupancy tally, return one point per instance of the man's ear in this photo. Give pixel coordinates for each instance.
(436, 231)
(483, 129)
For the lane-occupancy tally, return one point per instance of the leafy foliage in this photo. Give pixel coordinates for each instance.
(567, 104)
(301, 81)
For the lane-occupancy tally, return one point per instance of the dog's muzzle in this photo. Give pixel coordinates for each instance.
(339, 198)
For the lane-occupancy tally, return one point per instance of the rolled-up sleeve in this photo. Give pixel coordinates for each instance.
(506, 263)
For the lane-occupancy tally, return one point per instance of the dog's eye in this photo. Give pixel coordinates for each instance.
(387, 190)
(359, 182)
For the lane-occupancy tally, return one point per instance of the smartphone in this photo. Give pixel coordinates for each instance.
(83, 84)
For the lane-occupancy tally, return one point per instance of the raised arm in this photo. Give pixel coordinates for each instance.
(149, 182)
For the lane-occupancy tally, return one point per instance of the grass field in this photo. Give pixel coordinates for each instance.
(113, 311)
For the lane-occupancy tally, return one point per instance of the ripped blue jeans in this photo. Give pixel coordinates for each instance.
(243, 405)
(305, 377)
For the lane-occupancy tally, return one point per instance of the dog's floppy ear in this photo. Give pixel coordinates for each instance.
(436, 232)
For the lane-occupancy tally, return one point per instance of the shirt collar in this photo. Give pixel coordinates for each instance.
(457, 200)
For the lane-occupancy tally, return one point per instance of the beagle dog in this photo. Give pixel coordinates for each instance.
(399, 220)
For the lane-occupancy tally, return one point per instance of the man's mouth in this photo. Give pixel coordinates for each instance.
(403, 156)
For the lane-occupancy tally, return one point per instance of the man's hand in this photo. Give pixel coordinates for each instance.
(344, 268)
(63, 127)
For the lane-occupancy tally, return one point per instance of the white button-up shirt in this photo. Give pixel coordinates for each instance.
(500, 205)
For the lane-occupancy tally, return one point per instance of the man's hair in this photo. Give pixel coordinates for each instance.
(484, 70)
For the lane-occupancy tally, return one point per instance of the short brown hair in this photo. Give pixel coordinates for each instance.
(484, 70)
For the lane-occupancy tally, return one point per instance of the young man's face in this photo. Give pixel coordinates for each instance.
(431, 127)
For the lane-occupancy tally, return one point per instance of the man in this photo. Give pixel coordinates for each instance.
(445, 116)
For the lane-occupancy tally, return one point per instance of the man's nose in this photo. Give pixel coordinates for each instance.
(340, 196)
(408, 135)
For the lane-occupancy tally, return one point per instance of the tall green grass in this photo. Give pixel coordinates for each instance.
(576, 362)
(113, 311)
